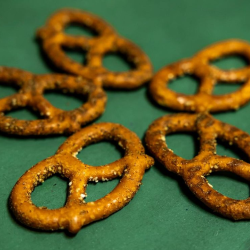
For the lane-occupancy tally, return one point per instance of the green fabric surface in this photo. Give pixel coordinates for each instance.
(164, 214)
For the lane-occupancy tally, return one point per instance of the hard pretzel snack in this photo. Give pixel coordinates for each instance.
(207, 161)
(76, 213)
(30, 94)
(54, 40)
(208, 76)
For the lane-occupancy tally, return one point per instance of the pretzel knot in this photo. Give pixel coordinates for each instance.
(30, 94)
(76, 213)
(208, 76)
(194, 171)
(54, 40)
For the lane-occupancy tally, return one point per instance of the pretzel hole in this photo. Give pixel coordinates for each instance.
(52, 193)
(65, 101)
(100, 153)
(6, 90)
(222, 88)
(77, 29)
(231, 62)
(184, 145)
(25, 113)
(230, 185)
(76, 54)
(187, 84)
(117, 62)
(223, 148)
(98, 190)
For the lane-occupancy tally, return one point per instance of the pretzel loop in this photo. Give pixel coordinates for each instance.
(60, 20)
(55, 121)
(194, 171)
(208, 76)
(76, 213)
(54, 40)
(223, 49)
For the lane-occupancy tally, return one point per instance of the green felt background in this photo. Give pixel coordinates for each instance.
(164, 214)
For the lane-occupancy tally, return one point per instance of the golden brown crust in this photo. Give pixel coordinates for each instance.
(76, 213)
(107, 41)
(207, 161)
(30, 94)
(208, 75)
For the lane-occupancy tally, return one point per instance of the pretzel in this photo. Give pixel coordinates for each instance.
(207, 161)
(54, 40)
(76, 213)
(30, 94)
(208, 76)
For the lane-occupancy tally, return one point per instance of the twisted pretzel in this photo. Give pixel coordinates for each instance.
(194, 171)
(76, 213)
(208, 76)
(107, 41)
(30, 94)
